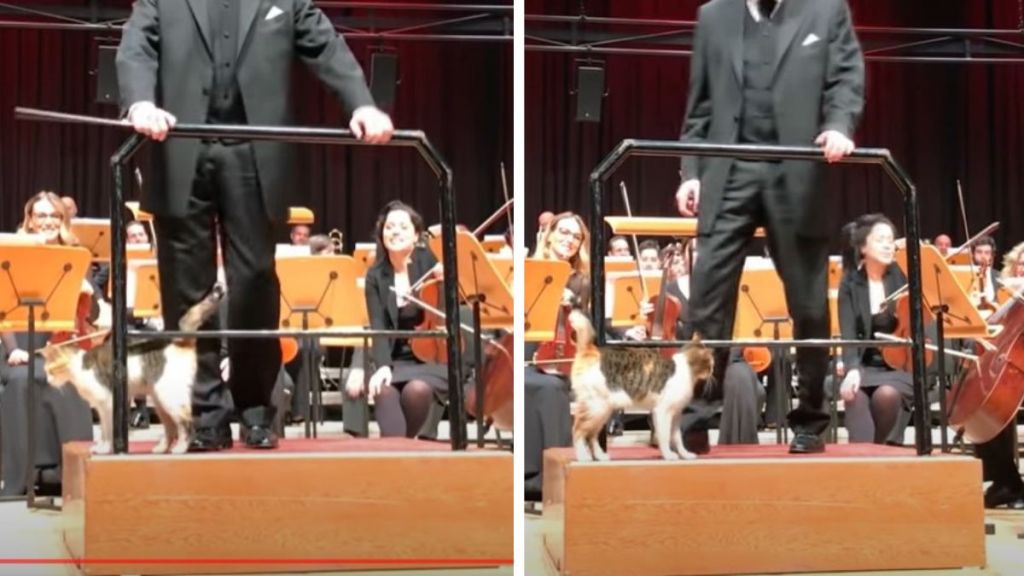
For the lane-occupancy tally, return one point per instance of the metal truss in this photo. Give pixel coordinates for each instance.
(592, 36)
(374, 21)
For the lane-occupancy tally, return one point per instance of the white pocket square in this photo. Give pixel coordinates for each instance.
(274, 12)
(811, 39)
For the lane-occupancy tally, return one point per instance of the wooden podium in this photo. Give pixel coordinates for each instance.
(757, 509)
(309, 506)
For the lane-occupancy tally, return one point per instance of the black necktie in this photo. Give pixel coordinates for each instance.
(767, 7)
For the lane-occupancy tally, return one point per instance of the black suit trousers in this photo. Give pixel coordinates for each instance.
(755, 195)
(225, 197)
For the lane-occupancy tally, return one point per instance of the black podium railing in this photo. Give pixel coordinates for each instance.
(876, 156)
(300, 135)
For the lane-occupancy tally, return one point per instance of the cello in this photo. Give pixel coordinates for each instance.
(988, 394)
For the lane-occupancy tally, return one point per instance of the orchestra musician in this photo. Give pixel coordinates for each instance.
(877, 397)
(547, 417)
(1012, 275)
(409, 394)
(786, 90)
(61, 414)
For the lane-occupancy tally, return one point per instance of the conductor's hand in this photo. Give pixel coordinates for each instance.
(151, 121)
(380, 379)
(688, 198)
(371, 125)
(835, 145)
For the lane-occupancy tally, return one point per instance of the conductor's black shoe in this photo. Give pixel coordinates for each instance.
(806, 444)
(210, 440)
(259, 437)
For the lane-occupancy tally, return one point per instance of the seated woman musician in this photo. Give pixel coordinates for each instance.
(875, 394)
(741, 397)
(547, 416)
(61, 415)
(405, 389)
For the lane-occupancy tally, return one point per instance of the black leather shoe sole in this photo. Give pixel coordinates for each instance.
(209, 443)
(806, 444)
(260, 439)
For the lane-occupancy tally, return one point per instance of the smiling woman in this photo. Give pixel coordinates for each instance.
(67, 416)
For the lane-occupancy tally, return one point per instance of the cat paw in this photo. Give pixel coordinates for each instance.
(584, 456)
(160, 447)
(687, 455)
(100, 448)
(602, 457)
(670, 456)
(180, 447)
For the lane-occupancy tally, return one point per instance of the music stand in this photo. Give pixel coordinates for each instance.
(761, 312)
(955, 316)
(544, 282)
(365, 254)
(39, 291)
(482, 286)
(627, 294)
(494, 243)
(93, 234)
(143, 291)
(619, 265)
(505, 266)
(317, 292)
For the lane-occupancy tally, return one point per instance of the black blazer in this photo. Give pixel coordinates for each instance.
(165, 58)
(818, 85)
(381, 303)
(855, 308)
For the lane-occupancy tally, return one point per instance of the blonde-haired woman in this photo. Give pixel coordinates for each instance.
(1012, 275)
(567, 238)
(61, 416)
(547, 419)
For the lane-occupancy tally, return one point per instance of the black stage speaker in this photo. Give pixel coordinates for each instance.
(589, 93)
(106, 76)
(383, 78)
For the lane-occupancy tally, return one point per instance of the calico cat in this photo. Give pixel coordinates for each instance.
(163, 368)
(610, 379)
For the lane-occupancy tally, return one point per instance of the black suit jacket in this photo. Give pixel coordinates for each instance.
(165, 57)
(855, 308)
(818, 85)
(381, 303)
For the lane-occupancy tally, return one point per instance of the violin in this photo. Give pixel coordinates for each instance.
(901, 358)
(981, 301)
(988, 394)
(559, 352)
(759, 358)
(86, 334)
(661, 321)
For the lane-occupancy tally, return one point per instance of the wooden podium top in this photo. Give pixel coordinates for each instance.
(658, 226)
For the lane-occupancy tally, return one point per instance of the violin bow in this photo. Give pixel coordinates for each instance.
(440, 314)
(508, 200)
(636, 245)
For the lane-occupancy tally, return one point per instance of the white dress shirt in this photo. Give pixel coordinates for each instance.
(755, 9)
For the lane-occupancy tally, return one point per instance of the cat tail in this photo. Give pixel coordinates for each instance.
(584, 332)
(200, 313)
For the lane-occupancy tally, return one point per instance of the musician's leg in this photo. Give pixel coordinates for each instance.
(886, 403)
(860, 426)
(187, 260)
(417, 399)
(387, 409)
(743, 397)
(998, 465)
(254, 294)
